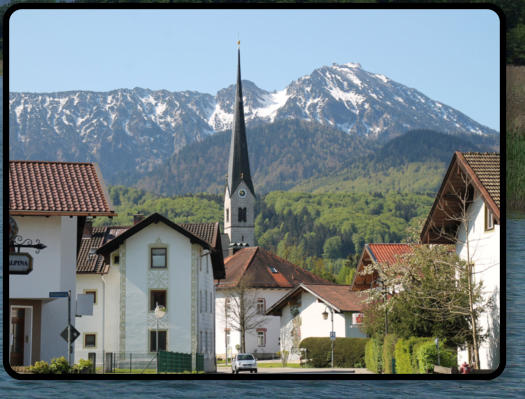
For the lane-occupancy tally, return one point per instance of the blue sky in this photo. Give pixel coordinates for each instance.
(450, 55)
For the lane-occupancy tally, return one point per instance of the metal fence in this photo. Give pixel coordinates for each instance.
(141, 363)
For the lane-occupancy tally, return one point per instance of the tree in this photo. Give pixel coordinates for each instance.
(241, 310)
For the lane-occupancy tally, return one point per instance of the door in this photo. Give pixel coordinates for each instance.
(18, 336)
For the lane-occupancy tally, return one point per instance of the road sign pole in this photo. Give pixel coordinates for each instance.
(69, 327)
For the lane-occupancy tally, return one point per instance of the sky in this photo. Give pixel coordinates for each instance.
(452, 56)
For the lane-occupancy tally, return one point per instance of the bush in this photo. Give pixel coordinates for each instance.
(403, 355)
(373, 355)
(59, 365)
(425, 355)
(388, 353)
(40, 367)
(348, 352)
(83, 366)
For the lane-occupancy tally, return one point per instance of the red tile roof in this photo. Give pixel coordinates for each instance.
(208, 232)
(57, 188)
(387, 253)
(253, 265)
(87, 260)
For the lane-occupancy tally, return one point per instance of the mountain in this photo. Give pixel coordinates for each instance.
(131, 131)
(281, 154)
(307, 156)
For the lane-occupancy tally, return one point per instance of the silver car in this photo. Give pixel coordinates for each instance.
(244, 361)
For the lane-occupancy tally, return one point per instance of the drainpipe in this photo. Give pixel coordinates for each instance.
(103, 320)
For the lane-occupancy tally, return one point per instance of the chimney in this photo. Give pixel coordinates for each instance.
(88, 228)
(139, 217)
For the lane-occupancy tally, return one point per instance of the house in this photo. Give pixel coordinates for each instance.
(376, 254)
(130, 271)
(260, 278)
(49, 201)
(466, 213)
(314, 310)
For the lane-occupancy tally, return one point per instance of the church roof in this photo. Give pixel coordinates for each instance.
(238, 163)
(259, 268)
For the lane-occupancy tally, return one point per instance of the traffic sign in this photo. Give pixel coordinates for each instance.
(73, 334)
(58, 294)
(332, 335)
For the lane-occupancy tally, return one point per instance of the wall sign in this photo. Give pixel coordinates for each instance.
(20, 263)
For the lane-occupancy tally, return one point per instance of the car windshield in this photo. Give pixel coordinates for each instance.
(245, 357)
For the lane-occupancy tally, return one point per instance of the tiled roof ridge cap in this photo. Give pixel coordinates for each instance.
(51, 162)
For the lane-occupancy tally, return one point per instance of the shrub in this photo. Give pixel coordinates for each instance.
(40, 367)
(373, 357)
(59, 365)
(388, 353)
(83, 366)
(403, 355)
(348, 352)
(425, 355)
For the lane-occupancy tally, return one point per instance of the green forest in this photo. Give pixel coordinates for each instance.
(324, 233)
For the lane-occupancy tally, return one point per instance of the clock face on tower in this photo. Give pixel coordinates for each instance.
(242, 193)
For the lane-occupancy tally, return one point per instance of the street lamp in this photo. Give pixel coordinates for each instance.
(160, 311)
(332, 333)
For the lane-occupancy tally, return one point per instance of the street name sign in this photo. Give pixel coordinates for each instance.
(58, 294)
(332, 335)
(20, 263)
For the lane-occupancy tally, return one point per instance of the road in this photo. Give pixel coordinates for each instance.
(292, 370)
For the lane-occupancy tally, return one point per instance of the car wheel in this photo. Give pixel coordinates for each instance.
(236, 371)
(255, 371)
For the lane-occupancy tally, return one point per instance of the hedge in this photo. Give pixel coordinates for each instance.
(403, 354)
(373, 355)
(348, 352)
(388, 353)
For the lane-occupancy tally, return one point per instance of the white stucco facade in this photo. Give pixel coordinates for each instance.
(269, 327)
(129, 319)
(54, 269)
(484, 251)
(304, 319)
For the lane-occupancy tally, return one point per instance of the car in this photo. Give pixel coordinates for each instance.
(244, 362)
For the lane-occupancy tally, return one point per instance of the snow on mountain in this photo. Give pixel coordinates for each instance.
(130, 130)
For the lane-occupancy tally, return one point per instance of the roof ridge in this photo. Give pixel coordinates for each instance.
(50, 162)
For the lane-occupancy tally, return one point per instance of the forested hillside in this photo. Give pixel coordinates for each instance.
(323, 233)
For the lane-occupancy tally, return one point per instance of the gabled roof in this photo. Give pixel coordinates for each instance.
(110, 246)
(376, 253)
(339, 297)
(259, 268)
(483, 173)
(238, 163)
(88, 261)
(57, 188)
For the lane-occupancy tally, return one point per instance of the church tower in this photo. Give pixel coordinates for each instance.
(239, 195)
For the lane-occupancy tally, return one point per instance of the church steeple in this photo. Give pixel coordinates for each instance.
(239, 164)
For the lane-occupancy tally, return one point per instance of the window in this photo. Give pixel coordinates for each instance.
(211, 302)
(93, 293)
(90, 340)
(261, 308)
(158, 258)
(92, 252)
(116, 259)
(153, 340)
(489, 219)
(206, 341)
(157, 297)
(242, 215)
(200, 341)
(261, 337)
(206, 301)
(227, 215)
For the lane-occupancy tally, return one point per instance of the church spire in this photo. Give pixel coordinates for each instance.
(238, 164)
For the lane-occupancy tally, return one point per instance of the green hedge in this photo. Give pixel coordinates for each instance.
(373, 355)
(348, 352)
(418, 355)
(403, 354)
(388, 353)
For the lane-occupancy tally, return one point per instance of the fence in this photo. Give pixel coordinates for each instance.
(142, 363)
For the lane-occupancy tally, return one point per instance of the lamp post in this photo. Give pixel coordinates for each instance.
(160, 311)
(332, 332)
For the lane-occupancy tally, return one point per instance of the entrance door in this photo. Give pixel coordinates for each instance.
(17, 332)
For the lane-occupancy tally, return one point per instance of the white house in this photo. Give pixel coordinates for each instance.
(153, 262)
(264, 278)
(49, 201)
(473, 179)
(314, 310)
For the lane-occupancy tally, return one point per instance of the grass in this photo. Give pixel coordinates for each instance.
(277, 365)
(515, 137)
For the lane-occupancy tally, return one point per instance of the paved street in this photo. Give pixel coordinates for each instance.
(292, 370)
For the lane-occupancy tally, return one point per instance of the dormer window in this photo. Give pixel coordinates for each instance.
(92, 251)
(273, 269)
